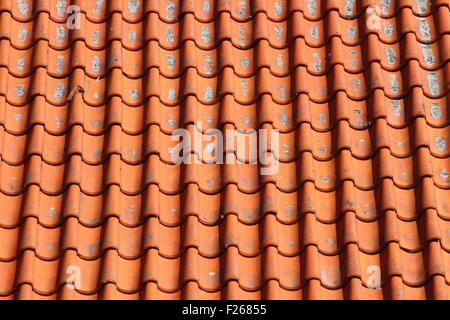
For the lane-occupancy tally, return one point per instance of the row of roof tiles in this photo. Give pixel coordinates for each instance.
(208, 36)
(173, 209)
(252, 273)
(394, 288)
(361, 115)
(135, 149)
(211, 241)
(283, 90)
(211, 63)
(207, 10)
(212, 178)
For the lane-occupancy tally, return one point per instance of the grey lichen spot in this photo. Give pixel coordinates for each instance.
(242, 35)
(172, 122)
(170, 61)
(23, 6)
(206, 6)
(394, 84)
(352, 32)
(385, 4)
(96, 64)
(330, 241)
(60, 34)
(356, 83)
(391, 55)
(245, 61)
(247, 119)
(58, 121)
(96, 37)
(170, 34)
(278, 32)
(314, 32)
(21, 63)
(278, 7)
(134, 93)
(317, 62)
(280, 61)
(444, 173)
(396, 108)
(209, 93)
(18, 117)
(97, 95)
(61, 8)
(208, 64)
(436, 110)
(133, 6)
(244, 86)
(132, 153)
(325, 179)
(348, 8)
(312, 7)
(60, 63)
(98, 6)
(205, 34)
(59, 91)
(284, 118)
(428, 55)
(434, 83)
(388, 29)
(425, 29)
(243, 8)
(172, 93)
(422, 6)
(20, 90)
(52, 211)
(441, 143)
(132, 35)
(282, 89)
(171, 10)
(211, 273)
(23, 33)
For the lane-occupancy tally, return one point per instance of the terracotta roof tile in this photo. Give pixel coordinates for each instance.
(95, 206)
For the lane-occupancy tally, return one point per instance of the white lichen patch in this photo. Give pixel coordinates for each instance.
(391, 55)
(209, 93)
(60, 63)
(20, 90)
(21, 63)
(98, 6)
(205, 34)
(394, 85)
(314, 32)
(170, 61)
(428, 55)
(133, 6)
(59, 91)
(312, 7)
(170, 35)
(434, 83)
(23, 33)
(61, 8)
(436, 110)
(60, 34)
(96, 66)
(425, 29)
(24, 7)
(396, 108)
